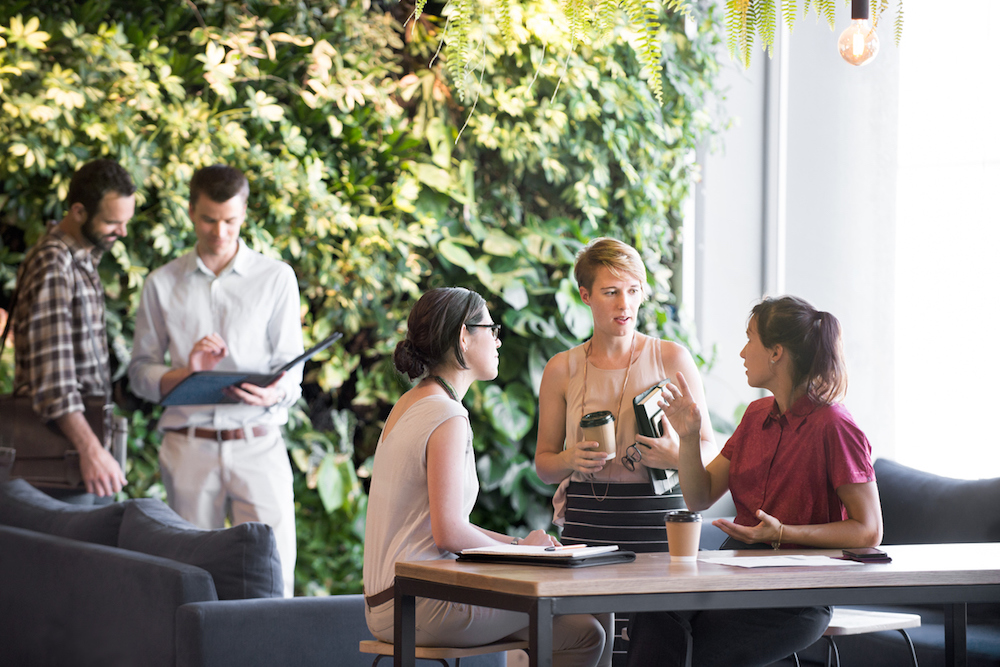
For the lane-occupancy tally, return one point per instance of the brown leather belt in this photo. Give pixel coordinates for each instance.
(231, 434)
(380, 598)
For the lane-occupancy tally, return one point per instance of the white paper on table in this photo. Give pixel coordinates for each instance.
(782, 561)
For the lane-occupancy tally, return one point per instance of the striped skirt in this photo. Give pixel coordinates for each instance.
(629, 515)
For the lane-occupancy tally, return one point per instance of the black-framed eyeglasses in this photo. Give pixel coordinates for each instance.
(632, 456)
(494, 328)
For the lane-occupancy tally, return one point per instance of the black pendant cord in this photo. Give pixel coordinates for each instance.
(445, 385)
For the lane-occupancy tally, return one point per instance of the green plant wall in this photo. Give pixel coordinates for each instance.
(374, 183)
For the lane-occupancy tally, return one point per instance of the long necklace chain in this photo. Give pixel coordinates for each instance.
(628, 370)
(445, 385)
(621, 398)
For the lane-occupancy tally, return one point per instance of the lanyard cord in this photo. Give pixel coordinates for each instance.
(621, 398)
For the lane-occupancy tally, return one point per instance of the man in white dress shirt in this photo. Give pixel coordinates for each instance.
(224, 307)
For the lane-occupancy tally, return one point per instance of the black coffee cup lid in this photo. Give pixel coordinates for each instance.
(597, 419)
(683, 516)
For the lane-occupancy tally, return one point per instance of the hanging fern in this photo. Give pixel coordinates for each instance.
(767, 24)
(576, 12)
(605, 15)
(750, 19)
(744, 20)
(457, 52)
(828, 9)
(788, 12)
(735, 24)
(419, 9)
(505, 21)
(740, 24)
(643, 20)
(899, 22)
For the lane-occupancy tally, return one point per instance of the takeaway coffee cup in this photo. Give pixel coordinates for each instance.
(683, 534)
(600, 427)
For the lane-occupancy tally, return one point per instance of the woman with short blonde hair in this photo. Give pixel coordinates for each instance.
(602, 498)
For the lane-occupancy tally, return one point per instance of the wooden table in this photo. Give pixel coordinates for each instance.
(950, 574)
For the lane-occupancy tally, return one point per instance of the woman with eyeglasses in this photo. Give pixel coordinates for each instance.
(424, 484)
(605, 499)
(800, 473)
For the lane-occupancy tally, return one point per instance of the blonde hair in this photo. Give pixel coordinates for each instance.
(619, 258)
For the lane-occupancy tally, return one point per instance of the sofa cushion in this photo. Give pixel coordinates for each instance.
(922, 508)
(24, 506)
(243, 560)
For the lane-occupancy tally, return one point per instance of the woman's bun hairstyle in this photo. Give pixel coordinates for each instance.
(407, 359)
(434, 330)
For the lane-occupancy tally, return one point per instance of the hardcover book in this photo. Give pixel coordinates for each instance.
(648, 422)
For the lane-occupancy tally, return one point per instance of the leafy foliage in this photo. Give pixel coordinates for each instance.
(363, 181)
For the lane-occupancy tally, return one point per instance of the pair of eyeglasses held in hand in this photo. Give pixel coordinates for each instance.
(632, 456)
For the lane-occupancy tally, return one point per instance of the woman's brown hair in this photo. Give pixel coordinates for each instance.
(813, 340)
(434, 328)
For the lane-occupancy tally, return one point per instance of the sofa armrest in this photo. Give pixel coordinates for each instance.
(65, 602)
(300, 631)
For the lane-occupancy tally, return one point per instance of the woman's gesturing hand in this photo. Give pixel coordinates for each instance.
(767, 531)
(680, 408)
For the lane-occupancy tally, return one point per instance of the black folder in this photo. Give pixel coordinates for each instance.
(647, 421)
(610, 558)
(205, 387)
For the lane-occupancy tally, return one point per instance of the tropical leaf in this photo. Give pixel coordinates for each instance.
(511, 409)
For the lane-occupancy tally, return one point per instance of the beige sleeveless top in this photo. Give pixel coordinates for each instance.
(398, 523)
(604, 388)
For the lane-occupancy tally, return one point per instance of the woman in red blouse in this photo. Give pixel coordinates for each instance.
(800, 474)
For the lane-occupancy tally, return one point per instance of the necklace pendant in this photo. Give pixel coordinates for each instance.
(446, 386)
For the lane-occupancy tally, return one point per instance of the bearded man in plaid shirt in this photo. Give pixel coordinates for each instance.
(60, 342)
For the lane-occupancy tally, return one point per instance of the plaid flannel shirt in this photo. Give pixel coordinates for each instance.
(59, 290)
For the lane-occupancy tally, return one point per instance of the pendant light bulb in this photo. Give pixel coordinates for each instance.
(858, 44)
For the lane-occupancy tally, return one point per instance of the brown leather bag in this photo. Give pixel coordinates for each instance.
(42, 454)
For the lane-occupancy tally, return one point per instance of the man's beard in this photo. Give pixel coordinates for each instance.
(102, 242)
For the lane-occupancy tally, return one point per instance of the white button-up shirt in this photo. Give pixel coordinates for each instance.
(253, 304)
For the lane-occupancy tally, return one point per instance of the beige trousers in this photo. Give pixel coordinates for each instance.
(247, 480)
(577, 640)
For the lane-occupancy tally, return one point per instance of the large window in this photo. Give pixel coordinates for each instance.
(948, 242)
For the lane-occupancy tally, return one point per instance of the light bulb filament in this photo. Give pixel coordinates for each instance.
(859, 44)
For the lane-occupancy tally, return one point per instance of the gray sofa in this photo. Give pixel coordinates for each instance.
(921, 508)
(133, 584)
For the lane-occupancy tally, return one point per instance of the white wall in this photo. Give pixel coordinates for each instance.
(948, 241)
